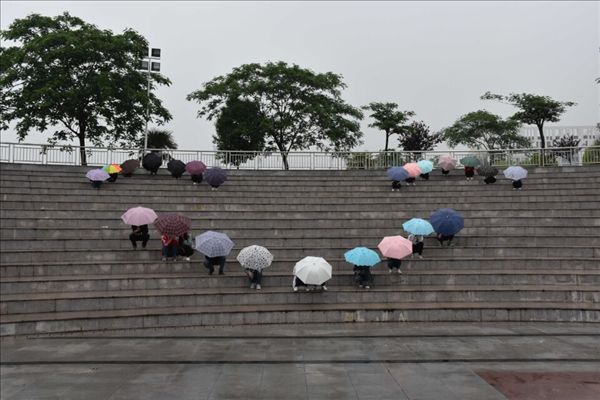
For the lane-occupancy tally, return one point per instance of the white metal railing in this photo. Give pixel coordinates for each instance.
(307, 160)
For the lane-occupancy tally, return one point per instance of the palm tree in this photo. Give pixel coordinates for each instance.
(160, 139)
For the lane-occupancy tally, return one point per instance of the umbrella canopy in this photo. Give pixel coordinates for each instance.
(173, 224)
(447, 162)
(139, 216)
(215, 176)
(487, 171)
(214, 244)
(129, 167)
(418, 226)
(515, 173)
(446, 221)
(313, 270)
(397, 173)
(255, 257)
(426, 166)
(176, 168)
(195, 167)
(112, 168)
(412, 168)
(97, 175)
(151, 161)
(362, 256)
(470, 161)
(396, 247)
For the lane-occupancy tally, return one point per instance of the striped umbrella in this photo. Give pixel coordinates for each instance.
(173, 224)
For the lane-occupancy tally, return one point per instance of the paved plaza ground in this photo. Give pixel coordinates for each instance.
(335, 361)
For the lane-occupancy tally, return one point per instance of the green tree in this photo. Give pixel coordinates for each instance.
(301, 108)
(533, 109)
(76, 80)
(388, 118)
(418, 137)
(159, 139)
(482, 129)
(242, 127)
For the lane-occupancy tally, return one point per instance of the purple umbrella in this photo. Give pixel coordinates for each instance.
(215, 176)
(97, 175)
(195, 167)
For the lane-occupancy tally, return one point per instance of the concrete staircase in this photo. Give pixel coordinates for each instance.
(67, 264)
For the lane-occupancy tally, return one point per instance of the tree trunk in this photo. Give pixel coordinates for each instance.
(387, 139)
(81, 137)
(286, 166)
(542, 139)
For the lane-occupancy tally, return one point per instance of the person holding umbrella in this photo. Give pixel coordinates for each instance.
(470, 163)
(215, 246)
(185, 246)
(215, 177)
(363, 259)
(426, 167)
(397, 175)
(195, 169)
(176, 168)
(489, 173)
(139, 233)
(417, 229)
(516, 174)
(139, 218)
(446, 223)
(254, 259)
(152, 163)
(395, 248)
(413, 171)
(446, 163)
(129, 167)
(169, 247)
(313, 271)
(171, 226)
(96, 177)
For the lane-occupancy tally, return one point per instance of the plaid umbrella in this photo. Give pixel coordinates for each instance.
(173, 224)
(151, 161)
(129, 167)
(397, 173)
(487, 171)
(176, 168)
(195, 167)
(470, 161)
(97, 175)
(255, 257)
(446, 221)
(215, 176)
(214, 244)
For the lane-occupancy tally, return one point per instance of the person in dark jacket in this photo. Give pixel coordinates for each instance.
(362, 276)
(396, 185)
(425, 176)
(139, 233)
(417, 244)
(297, 282)
(185, 247)
(442, 238)
(210, 262)
(517, 184)
(469, 173)
(113, 177)
(489, 180)
(96, 184)
(445, 172)
(197, 179)
(255, 277)
(394, 264)
(410, 180)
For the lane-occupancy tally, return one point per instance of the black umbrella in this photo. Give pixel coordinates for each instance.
(487, 171)
(176, 168)
(152, 162)
(129, 167)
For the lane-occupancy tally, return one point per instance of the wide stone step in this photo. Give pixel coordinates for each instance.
(71, 241)
(100, 254)
(22, 324)
(195, 297)
(41, 268)
(235, 278)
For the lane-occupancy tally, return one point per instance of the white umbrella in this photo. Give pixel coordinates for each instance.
(515, 173)
(255, 257)
(313, 270)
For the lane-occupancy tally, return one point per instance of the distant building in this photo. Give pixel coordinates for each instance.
(586, 134)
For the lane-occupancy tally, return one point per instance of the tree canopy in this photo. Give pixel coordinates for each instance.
(76, 80)
(482, 129)
(242, 127)
(533, 109)
(418, 137)
(159, 139)
(388, 119)
(301, 108)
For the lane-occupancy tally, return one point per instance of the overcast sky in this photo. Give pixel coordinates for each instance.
(435, 58)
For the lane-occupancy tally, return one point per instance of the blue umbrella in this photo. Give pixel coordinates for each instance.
(362, 256)
(418, 226)
(446, 221)
(213, 244)
(426, 166)
(397, 174)
(215, 176)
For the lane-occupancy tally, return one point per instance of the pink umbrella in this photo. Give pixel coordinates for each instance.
(413, 169)
(395, 247)
(195, 167)
(139, 216)
(447, 162)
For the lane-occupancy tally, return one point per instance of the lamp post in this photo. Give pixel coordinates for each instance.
(149, 66)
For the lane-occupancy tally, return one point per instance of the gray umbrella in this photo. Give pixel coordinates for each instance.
(214, 244)
(487, 171)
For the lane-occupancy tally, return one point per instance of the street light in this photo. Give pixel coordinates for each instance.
(147, 65)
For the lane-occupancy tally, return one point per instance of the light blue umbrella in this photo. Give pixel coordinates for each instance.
(362, 256)
(397, 173)
(426, 166)
(213, 244)
(418, 226)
